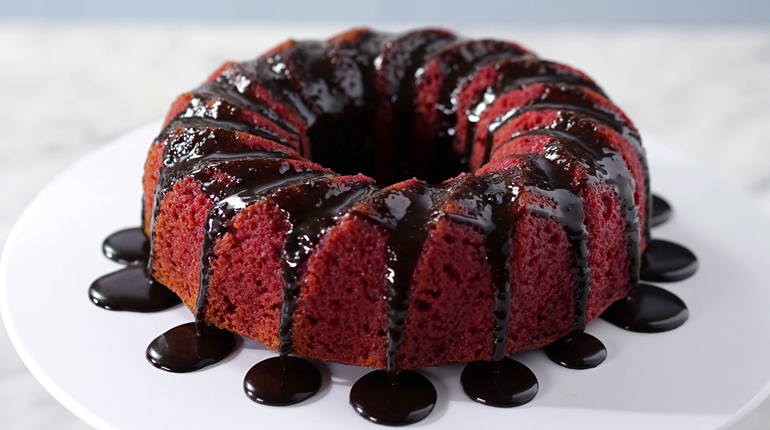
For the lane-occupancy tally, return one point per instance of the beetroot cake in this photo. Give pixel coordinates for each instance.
(281, 200)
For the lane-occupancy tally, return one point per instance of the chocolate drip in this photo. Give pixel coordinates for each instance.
(354, 68)
(665, 261)
(190, 151)
(462, 61)
(187, 348)
(581, 351)
(503, 384)
(486, 203)
(312, 208)
(282, 381)
(406, 213)
(661, 211)
(526, 70)
(406, 401)
(341, 138)
(131, 289)
(129, 246)
(295, 75)
(647, 309)
(551, 176)
(402, 59)
(499, 256)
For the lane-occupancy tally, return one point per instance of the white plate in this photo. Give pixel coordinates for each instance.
(704, 375)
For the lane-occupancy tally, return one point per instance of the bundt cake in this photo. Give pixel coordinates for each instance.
(397, 201)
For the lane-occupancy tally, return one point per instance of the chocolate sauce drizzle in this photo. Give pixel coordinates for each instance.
(406, 214)
(312, 208)
(401, 66)
(333, 88)
(233, 86)
(459, 63)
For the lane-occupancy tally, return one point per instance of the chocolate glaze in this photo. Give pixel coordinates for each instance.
(282, 381)
(581, 351)
(647, 309)
(130, 289)
(129, 246)
(661, 210)
(546, 176)
(188, 347)
(506, 383)
(379, 399)
(665, 261)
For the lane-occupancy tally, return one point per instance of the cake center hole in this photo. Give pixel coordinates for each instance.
(351, 143)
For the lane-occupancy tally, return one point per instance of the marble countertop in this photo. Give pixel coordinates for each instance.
(68, 88)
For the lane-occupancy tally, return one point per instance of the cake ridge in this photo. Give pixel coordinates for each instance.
(569, 211)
